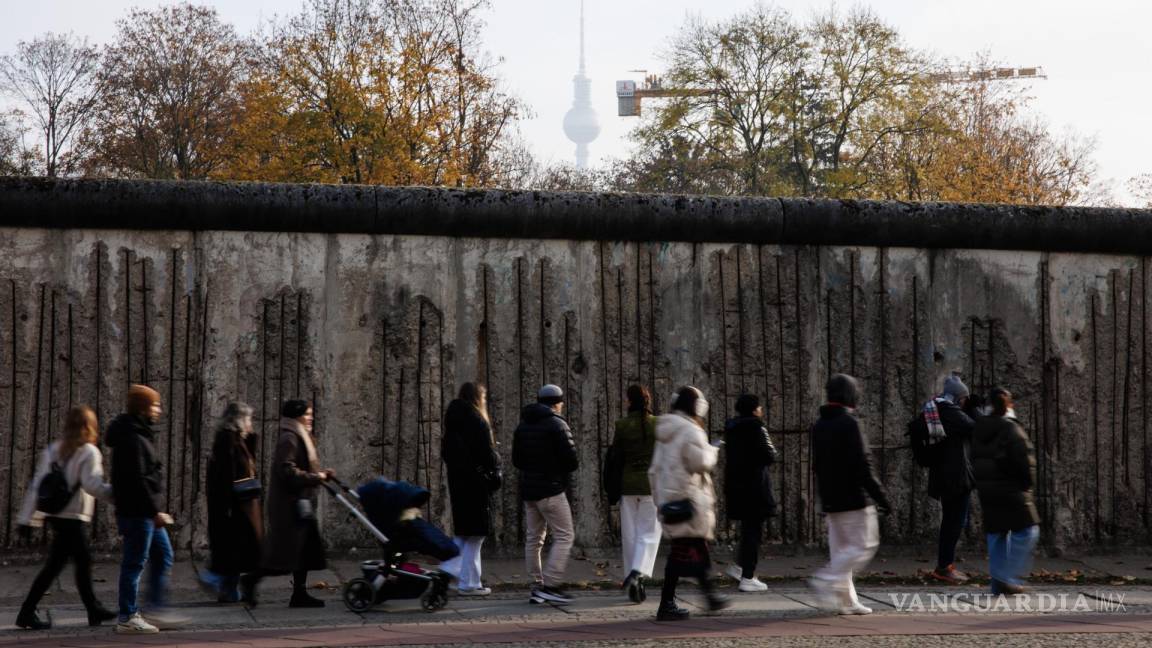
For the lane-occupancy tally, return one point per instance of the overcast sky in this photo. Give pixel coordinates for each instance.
(1096, 53)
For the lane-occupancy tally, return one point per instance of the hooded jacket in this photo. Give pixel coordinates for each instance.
(682, 464)
(137, 474)
(842, 462)
(544, 452)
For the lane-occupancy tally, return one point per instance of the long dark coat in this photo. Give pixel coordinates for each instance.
(291, 543)
(1005, 470)
(468, 453)
(235, 525)
(748, 452)
(952, 477)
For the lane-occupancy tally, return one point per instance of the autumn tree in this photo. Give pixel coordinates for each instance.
(54, 79)
(1141, 189)
(170, 80)
(374, 91)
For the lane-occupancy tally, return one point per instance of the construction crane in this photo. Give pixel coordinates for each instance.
(629, 94)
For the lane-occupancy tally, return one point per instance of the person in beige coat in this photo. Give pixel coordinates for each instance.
(681, 478)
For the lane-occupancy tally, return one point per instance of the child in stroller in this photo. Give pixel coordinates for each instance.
(392, 514)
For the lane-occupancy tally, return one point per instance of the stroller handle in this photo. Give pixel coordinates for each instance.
(334, 486)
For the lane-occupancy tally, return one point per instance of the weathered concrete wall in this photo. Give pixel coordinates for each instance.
(380, 322)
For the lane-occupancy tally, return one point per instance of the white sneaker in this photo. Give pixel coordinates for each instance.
(476, 591)
(735, 572)
(752, 585)
(166, 620)
(136, 625)
(822, 591)
(859, 608)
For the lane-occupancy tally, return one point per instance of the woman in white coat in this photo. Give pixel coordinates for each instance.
(681, 477)
(80, 462)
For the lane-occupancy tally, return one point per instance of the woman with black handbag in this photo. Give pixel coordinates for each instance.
(468, 449)
(681, 478)
(235, 516)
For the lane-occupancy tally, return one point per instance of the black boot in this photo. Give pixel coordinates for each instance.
(248, 584)
(302, 599)
(668, 611)
(99, 614)
(28, 620)
(633, 583)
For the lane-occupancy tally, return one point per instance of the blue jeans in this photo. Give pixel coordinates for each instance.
(144, 543)
(1010, 554)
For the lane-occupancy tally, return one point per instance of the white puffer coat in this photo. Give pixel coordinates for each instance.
(682, 464)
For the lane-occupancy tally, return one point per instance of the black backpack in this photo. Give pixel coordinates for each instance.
(926, 454)
(53, 494)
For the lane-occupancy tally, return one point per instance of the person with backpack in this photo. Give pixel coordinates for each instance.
(942, 433)
(1005, 472)
(68, 478)
(850, 495)
(748, 495)
(137, 494)
(632, 444)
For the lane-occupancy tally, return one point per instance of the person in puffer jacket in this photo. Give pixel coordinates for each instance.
(681, 471)
(545, 454)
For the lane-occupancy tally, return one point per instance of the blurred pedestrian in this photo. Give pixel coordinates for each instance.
(681, 478)
(748, 498)
(68, 478)
(1005, 469)
(633, 443)
(468, 450)
(849, 493)
(235, 514)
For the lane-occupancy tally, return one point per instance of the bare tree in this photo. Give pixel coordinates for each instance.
(54, 77)
(15, 158)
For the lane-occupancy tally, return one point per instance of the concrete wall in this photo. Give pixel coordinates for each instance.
(380, 326)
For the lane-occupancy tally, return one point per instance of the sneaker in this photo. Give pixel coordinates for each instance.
(735, 572)
(136, 625)
(822, 592)
(949, 575)
(717, 603)
(552, 595)
(670, 612)
(166, 620)
(475, 591)
(855, 609)
(752, 585)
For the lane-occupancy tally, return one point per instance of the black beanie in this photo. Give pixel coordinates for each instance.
(843, 389)
(294, 408)
(747, 403)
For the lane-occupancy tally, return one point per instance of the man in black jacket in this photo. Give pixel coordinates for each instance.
(846, 483)
(748, 453)
(950, 478)
(137, 486)
(545, 454)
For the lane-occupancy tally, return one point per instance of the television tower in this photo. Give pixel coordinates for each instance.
(581, 123)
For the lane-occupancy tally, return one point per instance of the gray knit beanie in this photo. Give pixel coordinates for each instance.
(955, 387)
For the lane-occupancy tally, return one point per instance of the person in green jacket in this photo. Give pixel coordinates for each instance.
(639, 526)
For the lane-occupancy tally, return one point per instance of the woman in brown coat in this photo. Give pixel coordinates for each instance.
(235, 517)
(292, 543)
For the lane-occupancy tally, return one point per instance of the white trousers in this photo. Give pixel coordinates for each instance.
(639, 533)
(466, 566)
(853, 537)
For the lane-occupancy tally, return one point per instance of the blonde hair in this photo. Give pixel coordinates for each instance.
(80, 428)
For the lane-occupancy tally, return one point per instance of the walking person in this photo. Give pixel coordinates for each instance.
(292, 542)
(950, 476)
(234, 493)
(850, 496)
(681, 478)
(468, 449)
(633, 442)
(137, 492)
(545, 454)
(748, 486)
(76, 459)
(1005, 470)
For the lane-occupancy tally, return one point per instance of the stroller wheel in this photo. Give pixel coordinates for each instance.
(358, 595)
(433, 600)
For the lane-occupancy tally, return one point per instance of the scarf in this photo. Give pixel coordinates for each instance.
(936, 431)
(309, 444)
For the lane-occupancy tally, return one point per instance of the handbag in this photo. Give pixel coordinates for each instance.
(612, 477)
(247, 488)
(493, 479)
(677, 511)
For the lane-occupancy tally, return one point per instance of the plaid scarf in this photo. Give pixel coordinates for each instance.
(936, 431)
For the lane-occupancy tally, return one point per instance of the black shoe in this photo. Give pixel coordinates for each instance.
(551, 595)
(717, 603)
(636, 592)
(669, 612)
(302, 599)
(248, 590)
(629, 579)
(28, 620)
(98, 615)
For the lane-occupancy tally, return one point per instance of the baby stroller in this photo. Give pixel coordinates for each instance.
(385, 504)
